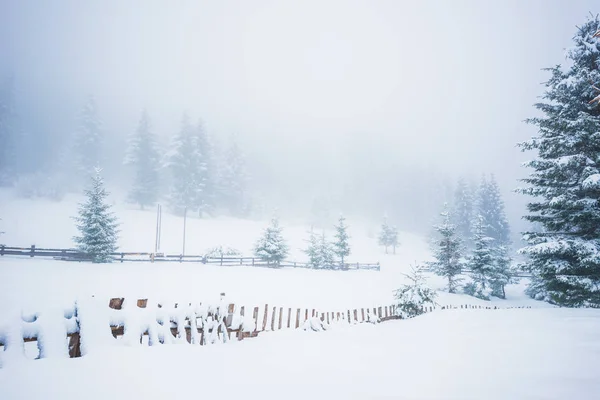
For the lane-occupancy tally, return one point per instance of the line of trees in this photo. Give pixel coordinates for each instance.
(474, 235)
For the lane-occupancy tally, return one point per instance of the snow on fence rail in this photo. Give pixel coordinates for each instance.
(75, 255)
(90, 324)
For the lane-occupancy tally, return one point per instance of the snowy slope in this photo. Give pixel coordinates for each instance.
(460, 354)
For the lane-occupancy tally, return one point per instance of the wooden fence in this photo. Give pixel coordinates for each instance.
(75, 255)
(218, 324)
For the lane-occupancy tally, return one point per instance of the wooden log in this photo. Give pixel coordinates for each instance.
(273, 319)
(116, 303)
(230, 311)
(142, 303)
(280, 317)
(75, 345)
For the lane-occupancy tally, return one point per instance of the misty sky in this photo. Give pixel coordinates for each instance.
(435, 84)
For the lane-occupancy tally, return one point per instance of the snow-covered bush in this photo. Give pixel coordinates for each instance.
(219, 251)
(413, 296)
(476, 289)
(314, 324)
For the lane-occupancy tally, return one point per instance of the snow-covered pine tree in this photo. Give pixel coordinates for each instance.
(502, 273)
(481, 262)
(8, 132)
(312, 251)
(142, 155)
(447, 252)
(385, 235)
(234, 179)
(565, 180)
(88, 140)
(341, 245)
(206, 171)
(491, 207)
(185, 163)
(462, 211)
(272, 247)
(415, 295)
(97, 225)
(326, 252)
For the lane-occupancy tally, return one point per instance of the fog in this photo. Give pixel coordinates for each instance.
(378, 106)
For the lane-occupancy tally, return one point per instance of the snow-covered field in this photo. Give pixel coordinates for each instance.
(458, 354)
(30, 282)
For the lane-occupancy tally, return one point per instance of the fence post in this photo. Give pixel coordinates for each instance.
(362, 312)
(289, 317)
(181, 258)
(1, 249)
(349, 319)
(265, 317)
(297, 318)
(356, 315)
(273, 319)
(241, 260)
(280, 316)
(122, 257)
(32, 250)
(221, 258)
(253, 261)
(306, 315)
(255, 316)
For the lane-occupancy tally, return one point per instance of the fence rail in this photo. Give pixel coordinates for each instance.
(76, 255)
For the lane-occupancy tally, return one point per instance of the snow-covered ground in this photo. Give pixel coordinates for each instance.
(28, 283)
(457, 354)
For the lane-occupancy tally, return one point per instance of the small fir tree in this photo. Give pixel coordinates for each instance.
(447, 252)
(412, 297)
(326, 252)
(312, 251)
(272, 247)
(341, 245)
(385, 235)
(96, 223)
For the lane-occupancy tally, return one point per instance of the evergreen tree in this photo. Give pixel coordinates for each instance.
(326, 252)
(206, 172)
(447, 252)
(187, 166)
(491, 207)
(233, 183)
(8, 133)
(312, 251)
(565, 180)
(385, 235)
(481, 262)
(272, 247)
(462, 211)
(142, 154)
(503, 273)
(88, 140)
(96, 223)
(341, 245)
(415, 295)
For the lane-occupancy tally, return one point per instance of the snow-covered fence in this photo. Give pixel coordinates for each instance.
(91, 324)
(75, 255)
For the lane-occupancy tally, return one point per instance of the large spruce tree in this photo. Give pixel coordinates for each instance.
(564, 255)
(142, 155)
